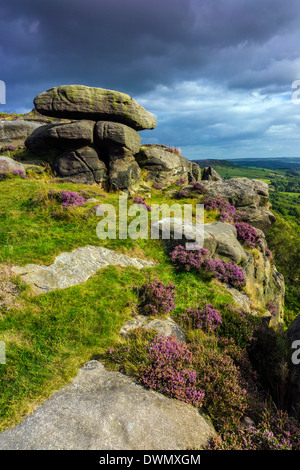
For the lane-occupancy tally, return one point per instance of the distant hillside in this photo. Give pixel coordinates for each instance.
(270, 163)
(216, 163)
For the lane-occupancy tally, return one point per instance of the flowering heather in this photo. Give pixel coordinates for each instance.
(272, 307)
(157, 185)
(169, 370)
(195, 259)
(158, 298)
(142, 201)
(226, 210)
(70, 198)
(198, 187)
(247, 234)
(268, 254)
(188, 259)
(183, 193)
(207, 318)
(8, 174)
(181, 181)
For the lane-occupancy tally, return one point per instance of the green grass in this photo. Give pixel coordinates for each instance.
(48, 337)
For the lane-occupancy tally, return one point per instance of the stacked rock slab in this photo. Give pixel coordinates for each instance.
(99, 143)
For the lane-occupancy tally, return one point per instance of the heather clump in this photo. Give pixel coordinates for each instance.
(169, 370)
(11, 174)
(238, 325)
(275, 430)
(71, 199)
(159, 363)
(247, 234)
(198, 259)
(225, 396)
(206, 318)
(221, 205)
(142, 202)
(157, 298)
(198, 188)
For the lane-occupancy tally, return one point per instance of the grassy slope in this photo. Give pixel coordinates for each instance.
(49, 336)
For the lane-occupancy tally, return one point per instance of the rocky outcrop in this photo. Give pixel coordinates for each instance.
(14, 133)
(106, 410)
(73, 268)
(163, 165)
(248, 196)
(209, 174)
(103, 131)
(264, 282)
(98, 104)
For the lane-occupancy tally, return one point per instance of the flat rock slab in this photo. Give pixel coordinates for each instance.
(74, 268)
(163, 326)
(103, 410)
(98, 104)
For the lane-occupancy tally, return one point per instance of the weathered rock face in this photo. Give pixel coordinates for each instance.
(166, 167)
(123, 173)
(106, 410)
(209, 174)
(98, 104)
(117, 139)
(83, 166)
(248, 196)
(8, 164)
(15, 132)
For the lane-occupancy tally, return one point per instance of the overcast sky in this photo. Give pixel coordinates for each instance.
(217, 74)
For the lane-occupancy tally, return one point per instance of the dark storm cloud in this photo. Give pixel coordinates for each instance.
(151, 50)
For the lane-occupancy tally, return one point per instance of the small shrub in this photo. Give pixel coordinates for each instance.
(272, 307)
(220, 379)
(206, 318)
(71, 199)
(157, 185)
(169, 371)
(158, 298)
(182, 194)
(226, 210)
(238, 325)
(195, 259)
(198, 187)
(247, 234)
(142, 202)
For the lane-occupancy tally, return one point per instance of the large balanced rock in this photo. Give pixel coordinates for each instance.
(98, 104)
(106, 410)
(14, 133)
(165, 166)
(248, 196)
